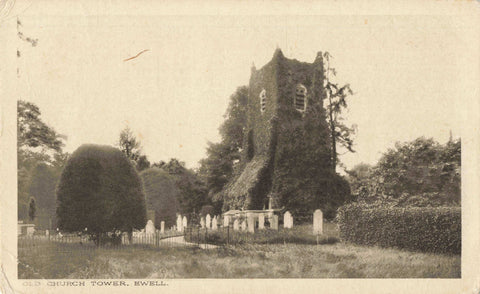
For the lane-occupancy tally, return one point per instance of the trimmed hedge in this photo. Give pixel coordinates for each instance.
(426, 229)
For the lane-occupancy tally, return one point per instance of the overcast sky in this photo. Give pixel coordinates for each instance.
(406, 71)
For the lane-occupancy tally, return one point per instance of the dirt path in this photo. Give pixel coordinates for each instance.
(180, 241)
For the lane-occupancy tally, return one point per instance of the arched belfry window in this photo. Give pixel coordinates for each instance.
(300, 101)
(263, 100)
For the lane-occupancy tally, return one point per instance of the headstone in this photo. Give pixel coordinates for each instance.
(251, 223)
(208, 221)
(226, 221)
(184, 222)
(235, 225)
(202, 222)
(244, 225)
(214, 223)
(274, 222)
(162, 227)
(179, 223)
(261, 221)
(287, 220)
(30, 230)
(47, 233)
(149, 228)
(318, 222)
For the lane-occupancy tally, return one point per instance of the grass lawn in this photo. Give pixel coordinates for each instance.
(243, 261)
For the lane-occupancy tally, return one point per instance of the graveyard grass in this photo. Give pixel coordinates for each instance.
(338, 260)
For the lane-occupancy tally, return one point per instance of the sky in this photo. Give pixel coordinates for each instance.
(407, 74)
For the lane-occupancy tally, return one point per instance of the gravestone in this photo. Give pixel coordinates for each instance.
(162, 227)
(149, 228)
(261, 221)
(47, 233)
(287, 220)
(208, 221)
(202, 222)
(214, 223)
(251, 223)
(274, 222)
(184, 222)
(179, 223)
(318, 222)
(226, 221)
(244, 225)
(235, 225)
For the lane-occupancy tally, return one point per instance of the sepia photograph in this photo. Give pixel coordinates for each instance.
(155, 145)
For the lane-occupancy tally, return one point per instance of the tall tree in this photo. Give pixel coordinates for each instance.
(37, 143)
(132, 148)
(128, 144)
(340, 134)
(161, 195)
(217, 168)
(193, 194)
(33, 132)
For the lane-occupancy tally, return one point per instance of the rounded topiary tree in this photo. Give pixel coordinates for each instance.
(161, 195)
(100, 190)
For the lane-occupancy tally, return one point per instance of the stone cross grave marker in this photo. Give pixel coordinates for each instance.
(214, 223)
(208, 221)
(318, 222)
(261, 221)
(235, 225)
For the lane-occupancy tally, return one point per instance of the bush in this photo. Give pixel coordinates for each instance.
(161, 195)
(267, 236)
(427, 229)
(100, 190)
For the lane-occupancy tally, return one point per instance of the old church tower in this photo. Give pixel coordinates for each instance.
(286, 145)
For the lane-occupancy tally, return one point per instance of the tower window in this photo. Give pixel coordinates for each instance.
(263, 100)
(300, 101)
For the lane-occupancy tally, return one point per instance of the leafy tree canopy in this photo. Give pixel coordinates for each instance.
(417, 173)
(161, 195)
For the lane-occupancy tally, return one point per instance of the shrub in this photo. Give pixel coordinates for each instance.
(100, 190)
(267, 236)
(427, 229)
(161, 195)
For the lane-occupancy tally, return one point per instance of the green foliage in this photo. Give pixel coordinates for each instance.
(207, 209)
(217, 169)
(100, 190)
(193, 193)
(161, 195)
(340, 134)
(36, 143)
(417, 173)
(436, 230)
(32, 131)
(42, 188)
(267, 236)
(32, 209)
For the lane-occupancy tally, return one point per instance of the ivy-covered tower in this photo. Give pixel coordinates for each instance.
(286, 147)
